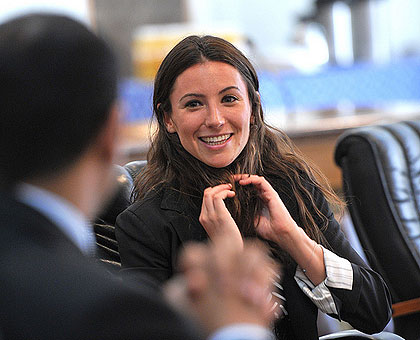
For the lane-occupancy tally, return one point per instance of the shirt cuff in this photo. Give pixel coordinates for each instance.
(339, 275)
(242, 331)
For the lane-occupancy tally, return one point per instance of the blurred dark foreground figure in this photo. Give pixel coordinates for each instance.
(58, 131)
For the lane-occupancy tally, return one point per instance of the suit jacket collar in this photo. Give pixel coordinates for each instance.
(61, 212)
(28, 222)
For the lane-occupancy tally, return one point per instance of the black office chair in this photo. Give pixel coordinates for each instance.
(381, 182)
(104, 226)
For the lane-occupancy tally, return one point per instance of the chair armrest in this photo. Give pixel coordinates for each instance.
(356, 335)
(406, 307)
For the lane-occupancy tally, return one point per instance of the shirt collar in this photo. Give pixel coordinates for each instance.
(69, 219)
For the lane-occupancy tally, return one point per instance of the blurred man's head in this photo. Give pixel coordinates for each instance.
(58, 84)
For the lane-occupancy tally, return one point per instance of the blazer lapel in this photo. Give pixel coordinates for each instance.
(185, 216)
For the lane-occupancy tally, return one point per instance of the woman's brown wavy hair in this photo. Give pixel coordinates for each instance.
(269, 152)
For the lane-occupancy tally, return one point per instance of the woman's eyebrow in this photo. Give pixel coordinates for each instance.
(229, 88)
(191, 95)
(199, 95)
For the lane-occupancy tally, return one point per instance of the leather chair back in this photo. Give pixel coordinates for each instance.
(381, 182)
(104, 226)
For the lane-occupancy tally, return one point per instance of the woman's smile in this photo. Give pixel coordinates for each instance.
(216, 140)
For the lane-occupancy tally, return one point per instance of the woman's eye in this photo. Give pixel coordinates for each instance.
(193, 104)
(229, 99)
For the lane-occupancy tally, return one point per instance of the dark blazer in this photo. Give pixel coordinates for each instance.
(150, 234)
(49, 290)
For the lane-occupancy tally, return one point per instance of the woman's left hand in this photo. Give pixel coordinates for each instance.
(275, 222)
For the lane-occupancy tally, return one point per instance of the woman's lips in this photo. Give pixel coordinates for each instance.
(216, 140)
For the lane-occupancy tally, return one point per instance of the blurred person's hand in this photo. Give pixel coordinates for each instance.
(222, 285)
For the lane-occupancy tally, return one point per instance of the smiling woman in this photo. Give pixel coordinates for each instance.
(215, 167)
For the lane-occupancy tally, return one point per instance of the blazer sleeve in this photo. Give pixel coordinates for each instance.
(367, 306)
(143, 246)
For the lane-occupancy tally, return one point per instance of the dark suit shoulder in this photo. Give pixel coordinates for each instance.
(49, 290)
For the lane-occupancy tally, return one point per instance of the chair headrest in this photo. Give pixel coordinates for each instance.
(121, 198)
(135, 167)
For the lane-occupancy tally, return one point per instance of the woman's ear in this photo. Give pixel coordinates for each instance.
(169, 124)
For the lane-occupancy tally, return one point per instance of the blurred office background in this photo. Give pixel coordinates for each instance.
(324, 65)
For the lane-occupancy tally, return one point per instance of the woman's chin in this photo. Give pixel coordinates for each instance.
(219, 164)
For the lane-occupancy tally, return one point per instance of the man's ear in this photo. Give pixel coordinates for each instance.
(109, 137)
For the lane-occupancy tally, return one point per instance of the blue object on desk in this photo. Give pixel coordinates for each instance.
(364, 85)
(136, 97)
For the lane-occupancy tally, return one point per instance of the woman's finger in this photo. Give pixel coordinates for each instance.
(246, 179)
(219, 204)
(238, 177)
(211, 195)
(252, 179)
(264, 188)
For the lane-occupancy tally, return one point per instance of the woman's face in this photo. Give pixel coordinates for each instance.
(211, 112)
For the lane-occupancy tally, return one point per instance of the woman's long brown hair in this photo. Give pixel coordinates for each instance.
(269, 152)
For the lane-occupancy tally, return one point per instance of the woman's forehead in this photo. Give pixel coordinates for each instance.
(209, 75)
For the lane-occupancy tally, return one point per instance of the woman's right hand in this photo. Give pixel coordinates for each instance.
(215, 218)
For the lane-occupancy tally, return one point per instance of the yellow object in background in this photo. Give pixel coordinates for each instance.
(151, 43)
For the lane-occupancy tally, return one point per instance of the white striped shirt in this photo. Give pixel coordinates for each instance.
(339, 275)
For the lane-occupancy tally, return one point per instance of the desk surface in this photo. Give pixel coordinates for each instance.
(302, 124)
(314, 133)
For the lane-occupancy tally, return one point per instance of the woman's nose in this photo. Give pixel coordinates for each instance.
(214, 117)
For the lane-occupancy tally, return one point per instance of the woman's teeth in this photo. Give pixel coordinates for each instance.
(216, 140)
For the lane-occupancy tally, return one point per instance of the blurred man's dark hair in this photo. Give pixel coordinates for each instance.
(57, 84)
